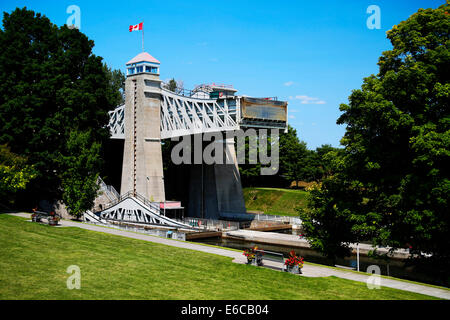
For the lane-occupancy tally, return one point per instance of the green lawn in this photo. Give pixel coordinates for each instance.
(274, 201)
(34, 259)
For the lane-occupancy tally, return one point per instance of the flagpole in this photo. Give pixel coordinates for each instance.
(143, 36)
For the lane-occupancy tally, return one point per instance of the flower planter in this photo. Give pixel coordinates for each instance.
(294, 264)
(255, 261)
(52, 222)
(258, 261)
(253, 256)
(294, 269)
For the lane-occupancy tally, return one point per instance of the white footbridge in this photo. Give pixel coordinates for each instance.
(133, 208)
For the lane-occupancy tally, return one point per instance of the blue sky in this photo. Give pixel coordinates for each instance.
(310, 53)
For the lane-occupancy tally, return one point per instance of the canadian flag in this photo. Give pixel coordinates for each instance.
(139, 26)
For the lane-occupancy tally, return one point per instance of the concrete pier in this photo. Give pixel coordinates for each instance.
(215, 190)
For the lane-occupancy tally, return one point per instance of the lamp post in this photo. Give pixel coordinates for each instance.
(164, 199)
(357, 256)
(203, 202)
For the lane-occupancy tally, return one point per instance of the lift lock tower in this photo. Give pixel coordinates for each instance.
(142, 170)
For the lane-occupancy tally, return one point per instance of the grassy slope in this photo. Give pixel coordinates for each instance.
(274, 201)
(34, 259)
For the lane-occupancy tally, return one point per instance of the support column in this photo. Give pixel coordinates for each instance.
(215, 191)
(230, 197)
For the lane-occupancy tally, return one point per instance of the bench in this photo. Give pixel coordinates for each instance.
(51, 217)
(344, 267)
(268, 255)
(38, 215)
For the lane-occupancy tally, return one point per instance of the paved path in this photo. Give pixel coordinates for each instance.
(308, 270)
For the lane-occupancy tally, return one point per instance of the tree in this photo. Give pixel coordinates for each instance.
(326, 221)
(250, 172)
(116, 88)
(391, 183)
(15, 173)
(79, 180)
(309, 167)
(291, 151)
(50, 85)
(326, 154)
(175, 85)
(292, 155)
(296, 162)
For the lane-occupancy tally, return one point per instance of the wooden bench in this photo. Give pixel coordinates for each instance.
(261, 255)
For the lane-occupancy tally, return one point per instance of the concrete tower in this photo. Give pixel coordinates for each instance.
(142, 170)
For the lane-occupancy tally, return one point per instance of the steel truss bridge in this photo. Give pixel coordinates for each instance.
(194, 113)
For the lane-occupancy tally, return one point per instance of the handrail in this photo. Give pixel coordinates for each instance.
(190, 95)
(109, 190)
(199, 89)
(218, 85)
(114, 191)
(269, 98)
(130, 194)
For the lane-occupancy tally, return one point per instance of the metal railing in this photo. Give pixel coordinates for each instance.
(112, 203)
(286, 219)
(210, 224)
(113, 191)
(208, 87)
(171, 234)
(153, 205)
(129, 194)
(109, 190)
(269, 98)
(201, 92)
(184, 92)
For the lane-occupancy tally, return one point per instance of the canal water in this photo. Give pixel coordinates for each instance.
(394, 268)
